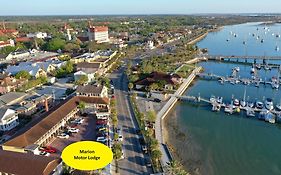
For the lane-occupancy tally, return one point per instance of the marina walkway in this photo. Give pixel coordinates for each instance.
(221, 57)
(165, 110)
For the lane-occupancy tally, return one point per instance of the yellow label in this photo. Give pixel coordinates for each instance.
(87, 155)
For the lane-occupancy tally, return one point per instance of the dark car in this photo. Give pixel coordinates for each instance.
(141, 140)
(147, 162)
(100, 126)
(157, 100)
(138, 131)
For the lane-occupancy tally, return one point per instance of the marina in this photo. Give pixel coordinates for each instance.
(233, 114)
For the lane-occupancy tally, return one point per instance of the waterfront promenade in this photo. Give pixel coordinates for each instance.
(166, 157)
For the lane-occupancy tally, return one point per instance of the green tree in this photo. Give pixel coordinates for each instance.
(174, 168)
(130, 86)
(7, 50)
(117, 151)
(81, 105)
(82, 80)
(156, 155)
(151, 116)
(55, 44)
(23, 74)
(71, 47)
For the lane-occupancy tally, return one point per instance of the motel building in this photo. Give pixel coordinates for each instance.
(43, 132)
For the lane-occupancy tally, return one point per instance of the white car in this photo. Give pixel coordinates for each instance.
(101, 139)
(78, 121)
(63, 136)
(120, 138)
(73, 130)
(44, 153)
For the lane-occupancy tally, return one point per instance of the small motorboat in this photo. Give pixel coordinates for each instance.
(258, 66)
(243, 103)
(269, 104)
(278, 107)
(250, 104)
(236, 102)
(259, 104)
(269, 117)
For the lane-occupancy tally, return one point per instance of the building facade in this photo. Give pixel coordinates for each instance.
(8, 119)
(98, 34)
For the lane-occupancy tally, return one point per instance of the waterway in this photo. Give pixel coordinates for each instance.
(220, 144)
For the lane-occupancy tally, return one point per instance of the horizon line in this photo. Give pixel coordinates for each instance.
(147, 14)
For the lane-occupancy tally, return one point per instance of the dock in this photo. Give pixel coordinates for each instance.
(245, 57)
(224, 105)
(236, 80)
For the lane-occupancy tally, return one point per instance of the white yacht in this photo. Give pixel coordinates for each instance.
(269, 104)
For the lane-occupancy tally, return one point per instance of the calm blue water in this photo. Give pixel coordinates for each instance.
(234, 145)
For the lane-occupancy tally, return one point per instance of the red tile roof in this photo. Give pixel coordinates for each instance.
(99, 29)
(23, 39)
(26, 164)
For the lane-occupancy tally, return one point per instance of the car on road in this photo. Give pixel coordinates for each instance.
(147, 162)
(63, 136)
(73, 130)
(141, 140)
(144, 148)
(120, 138)
(138, 131)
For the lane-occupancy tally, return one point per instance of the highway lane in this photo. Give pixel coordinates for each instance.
(134, 157)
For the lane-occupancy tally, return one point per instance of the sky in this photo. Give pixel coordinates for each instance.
(103, 7)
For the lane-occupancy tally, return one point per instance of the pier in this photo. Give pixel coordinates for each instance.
(223, 105)
(245, 57)
(237, 80)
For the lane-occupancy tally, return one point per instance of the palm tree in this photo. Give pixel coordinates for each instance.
(156, 155)
(174, 168)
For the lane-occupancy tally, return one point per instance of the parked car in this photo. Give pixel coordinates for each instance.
(103, 129)
(44, 153)
(157, 100)
(102, 134)
(63, 136)
(101, 139)
(73, 130)
(100, 126)
(101, 122)
(49, 149)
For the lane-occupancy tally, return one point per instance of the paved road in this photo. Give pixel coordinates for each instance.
(134, 157)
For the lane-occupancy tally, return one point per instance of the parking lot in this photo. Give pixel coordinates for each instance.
(87, 131)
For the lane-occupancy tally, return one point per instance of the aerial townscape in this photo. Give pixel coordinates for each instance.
(188, 88)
